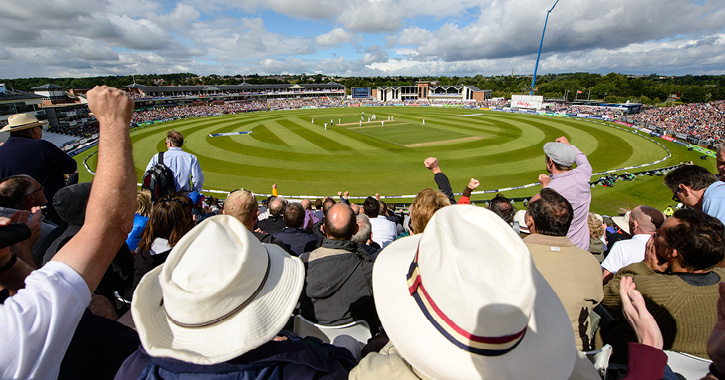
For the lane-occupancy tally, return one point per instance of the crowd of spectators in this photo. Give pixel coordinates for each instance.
(704, 121)
(448, 290)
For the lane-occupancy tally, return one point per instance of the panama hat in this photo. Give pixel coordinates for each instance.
(520, 217)
(623, 222)
(22, 121)
(464, 300)
(220, 294)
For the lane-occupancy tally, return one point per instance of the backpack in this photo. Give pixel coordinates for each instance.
(159, 179)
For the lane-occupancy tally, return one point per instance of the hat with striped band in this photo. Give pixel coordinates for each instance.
(464, 300)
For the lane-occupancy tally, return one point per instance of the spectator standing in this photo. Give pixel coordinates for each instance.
(56, 295)
(26, 153)
(185, 166)
(571, 183)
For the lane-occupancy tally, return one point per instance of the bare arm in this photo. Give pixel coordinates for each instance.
(109, 215)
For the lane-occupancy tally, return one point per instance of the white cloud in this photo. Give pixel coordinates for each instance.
(334, 37)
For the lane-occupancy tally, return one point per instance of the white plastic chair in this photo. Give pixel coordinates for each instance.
(600, 359)
(353, 335)
(686, 366)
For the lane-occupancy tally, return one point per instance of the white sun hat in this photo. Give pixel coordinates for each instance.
(219, 294)
(464, 300)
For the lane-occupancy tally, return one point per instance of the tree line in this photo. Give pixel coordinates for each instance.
(613, 87)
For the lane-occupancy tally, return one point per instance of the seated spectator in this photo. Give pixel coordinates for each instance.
(643, 222)
(326, 204)
(297, 239)
(70, 204)
(502, 207)
(22, 192)
(675, 278)
(597, 241)
(275, 221)
(571, 271)
(384, 231)
(338, 281)
(698, 188)
(720, 161)
(364, 236)
(226, 297)
(242, 205)
(170, 220)
(474, 306)
(38, 323)
(310, 216)
(140, 219)
(425, 204)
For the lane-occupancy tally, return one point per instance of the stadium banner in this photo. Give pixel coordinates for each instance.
(668, 138)
(229, 134)
(527, 101)
(623, 123)
(678, 142)
(655, 134)
(595, 117)
(645, 130)
(681, 136)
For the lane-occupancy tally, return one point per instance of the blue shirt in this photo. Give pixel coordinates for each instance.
(713, 201)
(185, 166)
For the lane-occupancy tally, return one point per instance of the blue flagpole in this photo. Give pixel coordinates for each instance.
(536, 68)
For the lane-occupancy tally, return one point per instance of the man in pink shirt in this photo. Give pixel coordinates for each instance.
(572, 183)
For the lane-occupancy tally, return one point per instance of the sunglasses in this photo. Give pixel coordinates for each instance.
(675, 196)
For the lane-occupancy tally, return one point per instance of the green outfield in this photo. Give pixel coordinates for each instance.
(365, 157)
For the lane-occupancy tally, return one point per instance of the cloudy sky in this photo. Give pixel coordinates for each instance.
(60, 38)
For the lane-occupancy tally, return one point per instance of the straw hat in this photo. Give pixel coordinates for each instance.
(22, 121)
(623, 222)
(220, 294)
(464, 300)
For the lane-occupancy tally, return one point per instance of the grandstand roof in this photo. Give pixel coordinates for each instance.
(242, 86)
(474, 88)
(47, 87)
(18, 95)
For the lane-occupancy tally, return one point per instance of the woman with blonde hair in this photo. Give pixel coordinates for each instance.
(425, 204)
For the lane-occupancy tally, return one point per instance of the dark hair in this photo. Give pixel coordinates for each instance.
(552, 213)
(693, 176)
(175, 138)
(341, 230)
(14, 189)
(170, 219)
(383, 208)
(502, 207)
(294, 215)
(559, 166)
(699, 239)
(327, 204)
(318, 204)
(371, 207)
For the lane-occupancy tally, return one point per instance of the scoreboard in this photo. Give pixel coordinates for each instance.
(360, 92)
